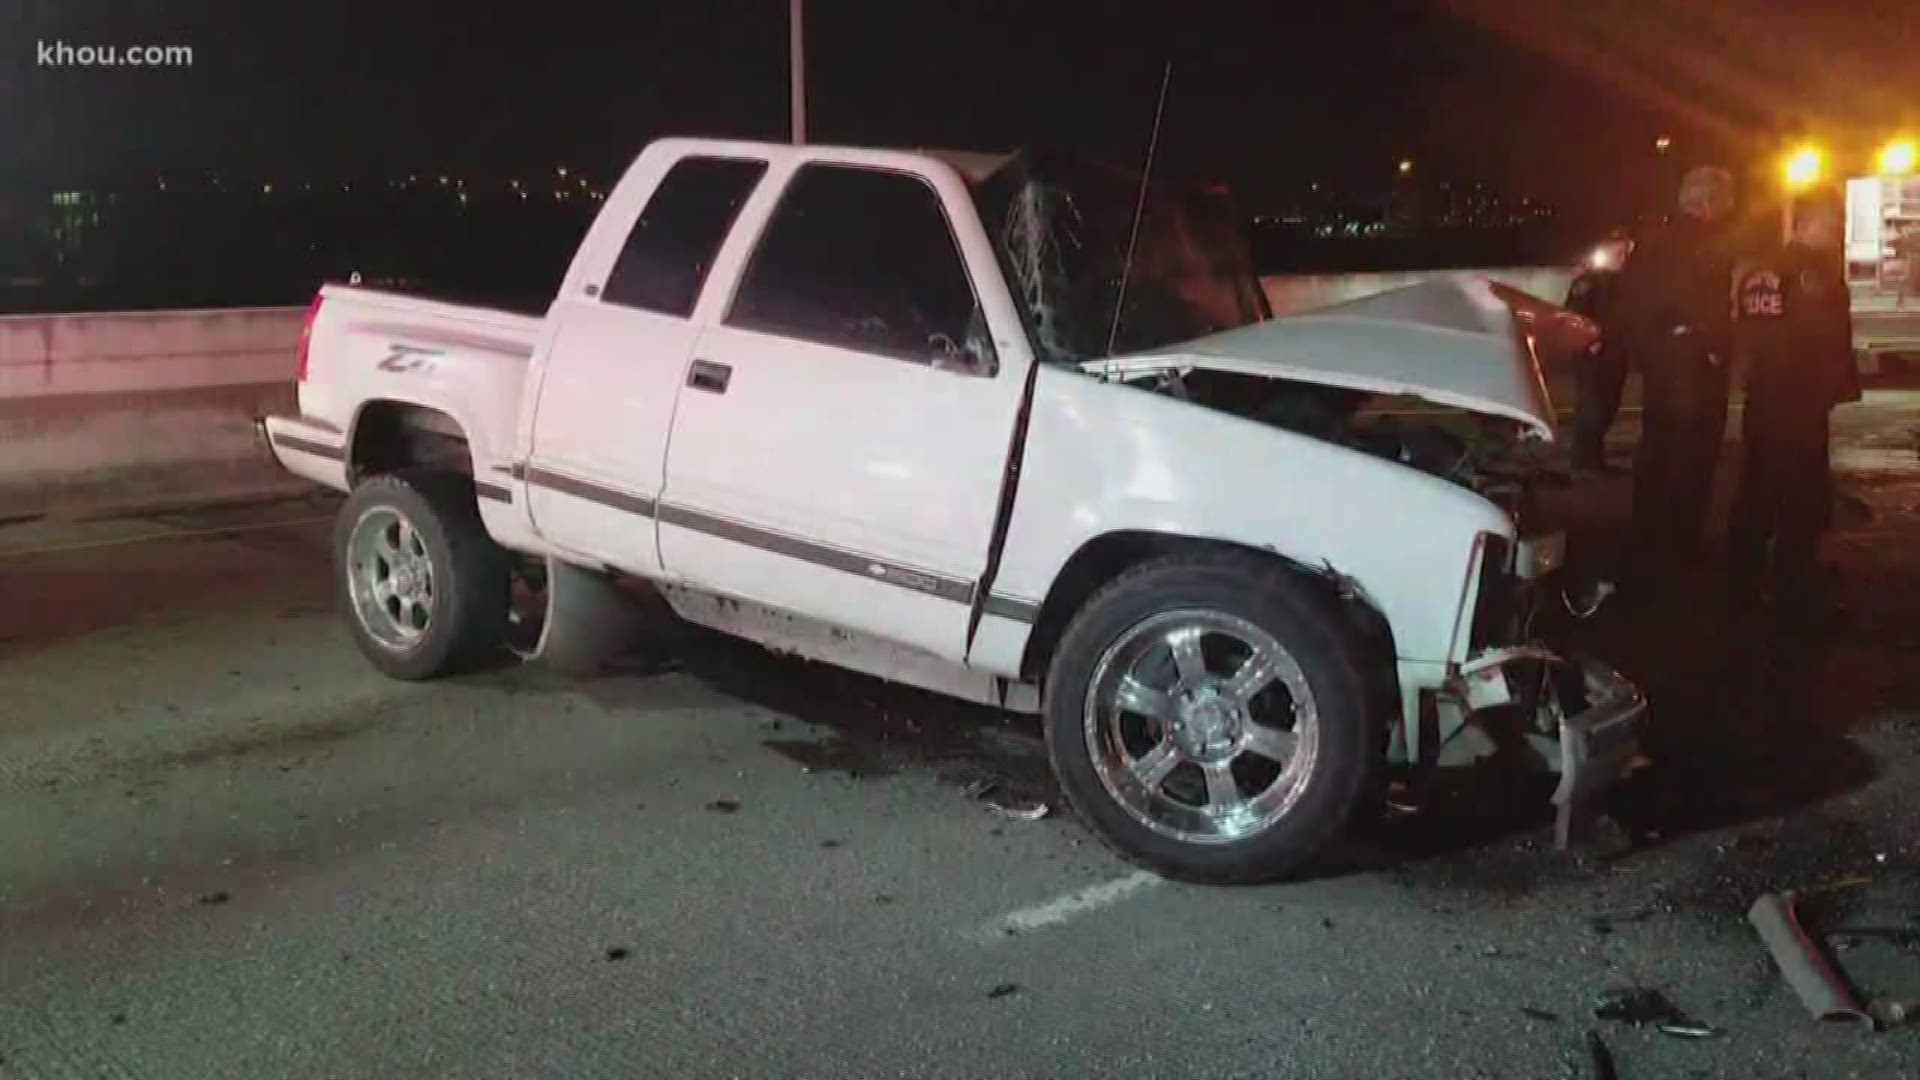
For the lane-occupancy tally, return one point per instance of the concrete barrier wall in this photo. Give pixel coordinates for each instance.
(119, 410)
(1291, 294)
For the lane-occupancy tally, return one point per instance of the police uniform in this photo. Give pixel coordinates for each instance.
(1795, 334)
(1675, 313)
(1602, 372)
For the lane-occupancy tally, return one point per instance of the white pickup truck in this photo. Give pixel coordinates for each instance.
(995, 426)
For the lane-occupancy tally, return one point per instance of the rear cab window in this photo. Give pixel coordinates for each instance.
(664, 263)
(865, 259)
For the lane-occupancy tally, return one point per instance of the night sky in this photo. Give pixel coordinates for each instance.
(1548, 97)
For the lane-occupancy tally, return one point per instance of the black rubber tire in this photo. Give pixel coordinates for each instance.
(1352, 738)
(472, 592)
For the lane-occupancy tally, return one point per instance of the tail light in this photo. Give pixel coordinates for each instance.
(306, 339)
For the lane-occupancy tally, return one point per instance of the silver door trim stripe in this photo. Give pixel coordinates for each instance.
(956, 590)
(851, 562)
(1011, 607)
(492, 492)
(588, 490)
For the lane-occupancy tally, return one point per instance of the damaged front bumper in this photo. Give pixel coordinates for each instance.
(1581, 716)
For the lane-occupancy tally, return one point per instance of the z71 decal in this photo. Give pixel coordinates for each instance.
(405, 358)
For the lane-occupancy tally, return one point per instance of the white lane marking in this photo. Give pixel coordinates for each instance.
(1066, 908)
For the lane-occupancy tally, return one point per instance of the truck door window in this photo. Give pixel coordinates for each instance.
(864, 259)
(665, 260)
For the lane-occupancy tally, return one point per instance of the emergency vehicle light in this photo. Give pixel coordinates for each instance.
(1803, 167)
(1897, 158)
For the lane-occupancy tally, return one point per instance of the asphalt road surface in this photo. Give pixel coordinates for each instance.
(232, 850)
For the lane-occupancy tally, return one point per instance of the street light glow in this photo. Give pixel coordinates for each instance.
(1406, 166)
(1663, 143)
(1804, 166)
(1897, 158)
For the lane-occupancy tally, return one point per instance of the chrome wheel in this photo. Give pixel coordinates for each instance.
(390, 577)
(1201, 726)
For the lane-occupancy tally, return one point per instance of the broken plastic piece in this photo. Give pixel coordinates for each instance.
(1601, 1057)
(1018, 811)
(1690, 1030)
(1638, 1005)
(1891, 1014)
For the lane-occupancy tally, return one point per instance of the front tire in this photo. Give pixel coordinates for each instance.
(1207, 717)
(426, 590)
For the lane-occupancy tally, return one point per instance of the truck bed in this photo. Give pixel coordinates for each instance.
(465, 365)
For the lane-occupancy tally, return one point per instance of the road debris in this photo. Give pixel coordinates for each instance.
(1820, 986)
(1601, 1058)
(984, 791)
(724, 806)
(1003, 990)
(1606, 921)
(1689, 1029)
(219, 896)
(1891, 1014)
(1806, 969)
(1541, 1015)
(1641, 1005)
(1636, 1005)
(617, 953)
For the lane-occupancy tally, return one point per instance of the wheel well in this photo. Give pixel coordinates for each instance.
(392, 435)
(1105, 558)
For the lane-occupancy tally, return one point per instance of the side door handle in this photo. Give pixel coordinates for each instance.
(709, 376)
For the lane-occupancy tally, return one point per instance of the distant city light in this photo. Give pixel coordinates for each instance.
(560, 171)
(1406, 166)
(266, 189)
(1897, 158)
(1663, 144)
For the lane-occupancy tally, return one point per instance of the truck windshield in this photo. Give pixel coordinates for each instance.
(1062, 226)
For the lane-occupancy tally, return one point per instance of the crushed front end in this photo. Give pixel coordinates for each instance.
(1518, 688)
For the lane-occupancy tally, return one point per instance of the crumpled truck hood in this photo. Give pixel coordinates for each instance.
(1470, 344)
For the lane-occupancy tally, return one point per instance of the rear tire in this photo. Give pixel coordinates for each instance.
(1193, 776)
(426, 590)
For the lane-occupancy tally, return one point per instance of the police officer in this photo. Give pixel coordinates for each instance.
(1675, 317)
(1601, 374)
(1795, 334)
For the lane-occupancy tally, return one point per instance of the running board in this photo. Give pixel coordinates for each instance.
(798, 635)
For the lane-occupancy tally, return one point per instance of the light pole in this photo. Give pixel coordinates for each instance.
(797, 68)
